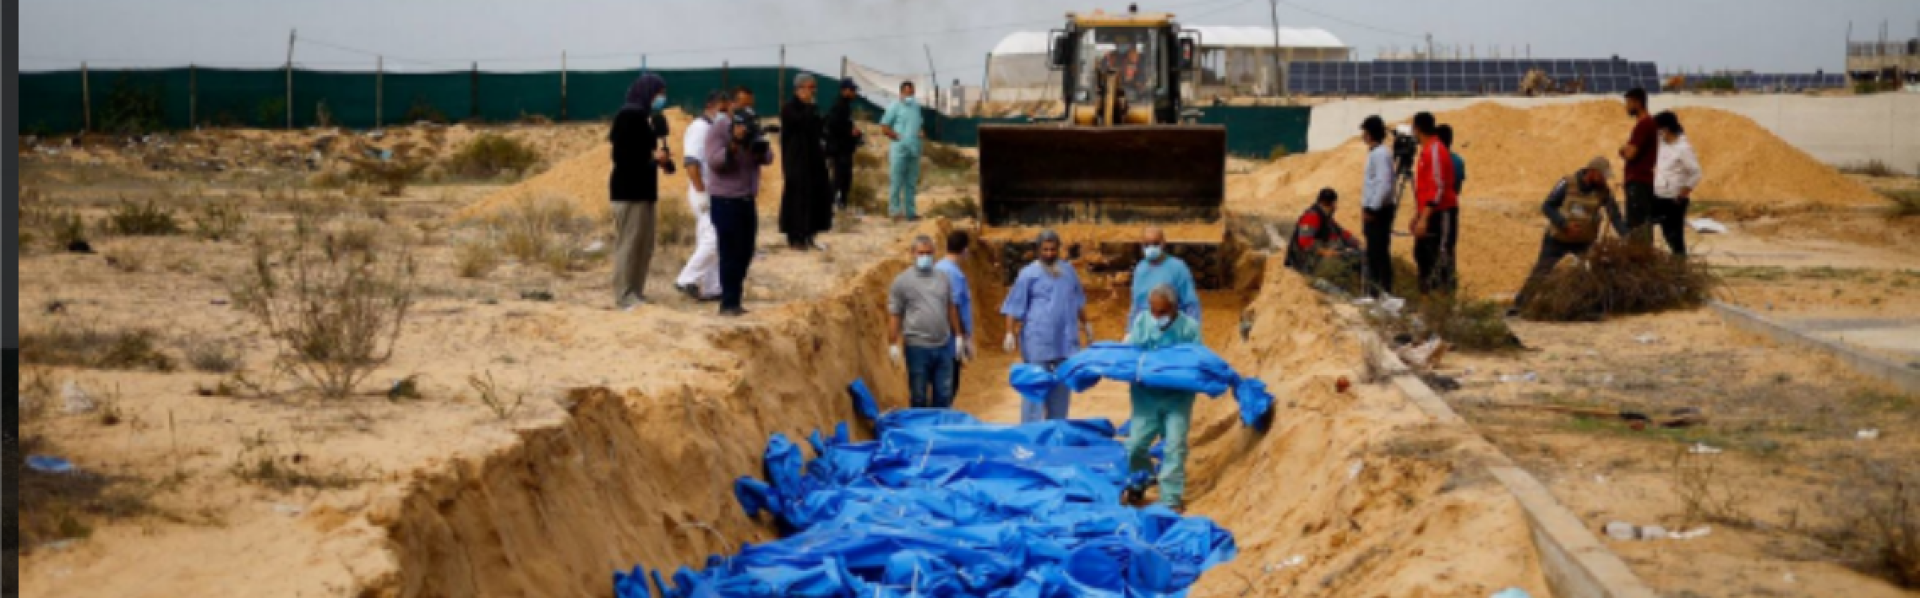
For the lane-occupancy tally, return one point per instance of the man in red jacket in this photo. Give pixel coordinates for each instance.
(1436, 217)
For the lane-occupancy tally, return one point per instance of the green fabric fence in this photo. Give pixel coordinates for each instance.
(182, 98)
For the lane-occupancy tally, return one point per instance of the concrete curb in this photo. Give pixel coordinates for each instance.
(1904, 378)
(1576, 564)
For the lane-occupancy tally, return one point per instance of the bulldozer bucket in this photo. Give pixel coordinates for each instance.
(1045, 174)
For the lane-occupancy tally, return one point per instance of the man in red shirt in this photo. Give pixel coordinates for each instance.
(1436, 219)
(1641, 152)
(1317, 237)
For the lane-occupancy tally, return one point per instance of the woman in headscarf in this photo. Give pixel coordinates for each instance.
(806, 204)
(639, 152)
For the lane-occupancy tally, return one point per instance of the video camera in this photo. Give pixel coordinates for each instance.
(756, 133)
(1405, 148)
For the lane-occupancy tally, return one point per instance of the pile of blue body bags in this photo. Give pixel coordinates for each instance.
(944, 505)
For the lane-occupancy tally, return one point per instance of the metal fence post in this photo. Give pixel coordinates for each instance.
(193, 96)
(291, 36)
(473, 103)
(379, 91)
(563, 86)
(86, 101)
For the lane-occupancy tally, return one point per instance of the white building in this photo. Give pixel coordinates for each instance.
(1234, 61)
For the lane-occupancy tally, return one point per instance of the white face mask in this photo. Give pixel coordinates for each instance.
(909, 100)
(1163, 321)
(924, 262)
(1153, 253)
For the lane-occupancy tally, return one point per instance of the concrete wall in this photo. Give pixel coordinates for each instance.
(1835, 130)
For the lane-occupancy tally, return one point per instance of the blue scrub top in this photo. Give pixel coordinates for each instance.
(1170, 271)
(1049, 309)
(962, 296)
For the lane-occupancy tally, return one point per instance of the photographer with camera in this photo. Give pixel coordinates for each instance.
(1436, 208)
(1379, 203)
(736, 149)
(639, 154)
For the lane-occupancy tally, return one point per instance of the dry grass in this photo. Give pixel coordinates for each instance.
(1618, 277)
(674, 225)
(334, 315)
(212, 356)
(548, 232)
(74, 344)
(1706, 496)
(1880, 530)
(42, 223)
(476, 256)
(67, 506)
(144, 219)
(392, 176)
(960, 209)
(491, 155)
(502, 402)
(219, 219)
(1906, 203)
(1872, 168)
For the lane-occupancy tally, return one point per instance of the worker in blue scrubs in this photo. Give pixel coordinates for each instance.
(1047, 321)
(1160, 413)
(1160, 268)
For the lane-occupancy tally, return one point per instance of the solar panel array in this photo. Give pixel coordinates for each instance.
(1788, 82)
(1464, 77)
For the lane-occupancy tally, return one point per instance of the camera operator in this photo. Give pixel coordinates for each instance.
(1378, 205)
(736, 149)
(1436, 206)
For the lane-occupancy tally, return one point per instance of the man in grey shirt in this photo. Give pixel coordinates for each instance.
(1377, 207)
(926, 320)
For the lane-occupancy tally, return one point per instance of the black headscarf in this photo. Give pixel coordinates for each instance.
(640, 95)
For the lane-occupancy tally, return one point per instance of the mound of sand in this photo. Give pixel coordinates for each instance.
(582, 181)
(1515, 154)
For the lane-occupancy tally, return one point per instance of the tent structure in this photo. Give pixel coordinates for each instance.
(1234, 61)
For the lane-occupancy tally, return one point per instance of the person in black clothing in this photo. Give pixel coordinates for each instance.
(843, 139)
(634, 187)
(806, 202)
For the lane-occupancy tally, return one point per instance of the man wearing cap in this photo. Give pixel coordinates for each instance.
(1573, 212)
(843, 139)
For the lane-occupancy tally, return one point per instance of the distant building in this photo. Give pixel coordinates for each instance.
(1897, 61)
(1234, 61)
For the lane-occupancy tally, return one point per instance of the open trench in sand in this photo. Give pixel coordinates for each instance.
(1349, 494)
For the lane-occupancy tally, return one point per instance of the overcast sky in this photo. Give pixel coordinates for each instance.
(415, 35)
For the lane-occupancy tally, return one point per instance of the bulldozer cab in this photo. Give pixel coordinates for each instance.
(1118, 153)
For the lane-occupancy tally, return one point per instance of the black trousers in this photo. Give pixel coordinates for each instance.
(1640, 213)
(1551, 252)
(842, 167)
(1378, 232)
(735, 222)
(1434, 252)
(1671, 216)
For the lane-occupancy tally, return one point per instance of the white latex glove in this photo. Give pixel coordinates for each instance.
(895, 355)
(1089, 337)
(702, 203)
(1129, 339)
(1010, 345)
(961, 348)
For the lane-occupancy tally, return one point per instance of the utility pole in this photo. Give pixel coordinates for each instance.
(291, 36)
(86, 101)
(933, 76)
(781, 85)
(563, 86)
(379, 91)
(193, 96)
(1279, 70)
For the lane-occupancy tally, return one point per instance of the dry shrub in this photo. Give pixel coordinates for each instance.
(502, 402)
(212, 356)
(334, 315)
(1618, 277)
(547, 231)
(1873, 168)
(675, 225)
(869, 191)
(74, 344)
(392, 176)
(145, 219)
(124, 258)
(476, 256)
(1706, 496)
(491, 154)
(62, 506)
(42, 222)
(869, 160)
(1906, 203)
(1880, 532)
(959, 209)
(945, 156)
(219, 219)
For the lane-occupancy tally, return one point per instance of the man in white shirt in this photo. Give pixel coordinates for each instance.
(700, 279)
(1676, 173)
(1378, 207)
